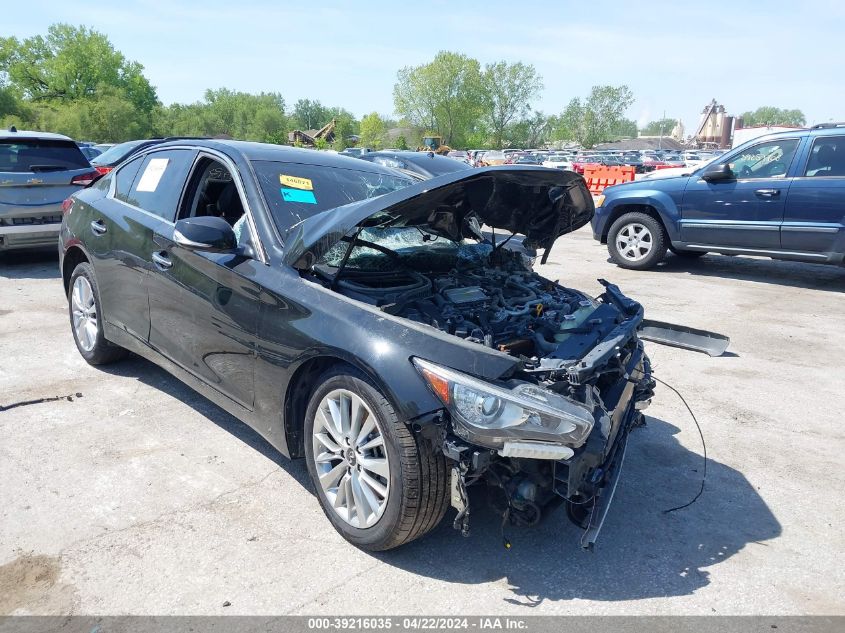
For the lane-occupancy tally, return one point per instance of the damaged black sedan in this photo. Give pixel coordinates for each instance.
(392, 333)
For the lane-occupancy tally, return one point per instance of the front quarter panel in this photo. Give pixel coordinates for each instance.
(301, 320)
(663, 196)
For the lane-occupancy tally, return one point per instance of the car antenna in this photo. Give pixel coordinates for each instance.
(345, 259)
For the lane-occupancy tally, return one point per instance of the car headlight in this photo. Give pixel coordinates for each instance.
(490, 415)
(599, 201)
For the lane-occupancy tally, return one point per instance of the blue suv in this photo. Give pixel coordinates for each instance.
(780, 195)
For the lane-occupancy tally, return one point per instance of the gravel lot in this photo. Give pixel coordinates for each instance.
(142, 497)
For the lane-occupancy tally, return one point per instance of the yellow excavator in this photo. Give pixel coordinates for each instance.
(434, 144)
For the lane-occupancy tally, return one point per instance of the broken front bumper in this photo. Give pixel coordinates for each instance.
(587, 482)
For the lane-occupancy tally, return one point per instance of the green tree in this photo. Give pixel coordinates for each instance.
(768, 115)
(443, 96)
(658, 127)
(8, 102)
(239, 115)
(70, 64)
(111, 117)
(507, 91)
(625, 128)
(309, 115)
(565, 126)
(597, 118)
(372, 131)
(530, 132)
(345, 126)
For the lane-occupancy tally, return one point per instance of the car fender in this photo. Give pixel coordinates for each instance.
(317, 323)
(661, 201)
(68, 242)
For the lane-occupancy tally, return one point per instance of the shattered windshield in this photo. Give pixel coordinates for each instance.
(295, 191)
(413, 246)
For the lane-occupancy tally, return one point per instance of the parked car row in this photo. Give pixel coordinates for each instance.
(577, 160)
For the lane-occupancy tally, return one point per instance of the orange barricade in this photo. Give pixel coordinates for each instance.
(600, 177)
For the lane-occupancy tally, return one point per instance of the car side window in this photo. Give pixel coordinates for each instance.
(827, 157)
(765, 160)
(212, 191)
(160, 181)
(124, 177)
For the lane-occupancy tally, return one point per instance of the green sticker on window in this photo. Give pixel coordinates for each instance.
(298, 195)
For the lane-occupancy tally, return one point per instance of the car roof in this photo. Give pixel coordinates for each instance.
(250, 151)
(836, 129)
(31, 134)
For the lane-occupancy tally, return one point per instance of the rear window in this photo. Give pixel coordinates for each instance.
(295, 191)
(37, 155)
(116, 154)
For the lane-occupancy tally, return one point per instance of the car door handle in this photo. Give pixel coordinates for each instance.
(98, 227)
(162, 260)
(768, 193)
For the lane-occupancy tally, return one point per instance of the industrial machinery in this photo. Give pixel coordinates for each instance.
(434, 144)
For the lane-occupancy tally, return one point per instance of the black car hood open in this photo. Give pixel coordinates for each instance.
(539, 203)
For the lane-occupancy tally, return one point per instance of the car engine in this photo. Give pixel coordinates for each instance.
(501, 304)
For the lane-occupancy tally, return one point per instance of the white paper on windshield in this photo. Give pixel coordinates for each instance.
(152, 174)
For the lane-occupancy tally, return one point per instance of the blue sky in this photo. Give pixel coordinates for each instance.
(675, 56)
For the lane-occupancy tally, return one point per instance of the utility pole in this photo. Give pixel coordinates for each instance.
(660, 140)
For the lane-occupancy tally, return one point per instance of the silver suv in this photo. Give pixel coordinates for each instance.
(38, 171)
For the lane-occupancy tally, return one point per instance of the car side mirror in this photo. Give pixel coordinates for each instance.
(206, 232)
(717, 173)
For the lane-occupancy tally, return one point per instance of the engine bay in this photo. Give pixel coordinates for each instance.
(485, 295)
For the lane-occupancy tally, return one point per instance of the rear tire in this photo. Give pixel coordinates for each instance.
(636, 241)
(86, 320)
(406, 468)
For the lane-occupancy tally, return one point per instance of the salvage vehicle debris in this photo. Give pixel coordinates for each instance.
(25, 403)
(684, 337)
(370, 325)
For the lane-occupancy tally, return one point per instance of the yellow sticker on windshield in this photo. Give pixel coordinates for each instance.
(296, 183)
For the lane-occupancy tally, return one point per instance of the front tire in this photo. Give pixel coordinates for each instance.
(379, 484)
(636, 241)
(86, 322)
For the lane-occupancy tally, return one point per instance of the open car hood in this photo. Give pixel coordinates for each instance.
(540, 203)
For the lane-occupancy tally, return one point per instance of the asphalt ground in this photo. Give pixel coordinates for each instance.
(142, 497)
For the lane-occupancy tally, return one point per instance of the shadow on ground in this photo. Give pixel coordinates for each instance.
(40, 264)
(760, 270)
(156, 377)
(642, 552)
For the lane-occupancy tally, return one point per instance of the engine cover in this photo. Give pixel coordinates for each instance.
(465, 296)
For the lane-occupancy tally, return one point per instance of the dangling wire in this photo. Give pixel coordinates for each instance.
(703, 445)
